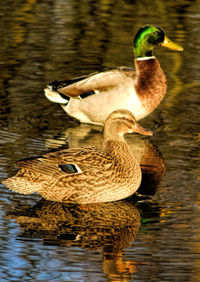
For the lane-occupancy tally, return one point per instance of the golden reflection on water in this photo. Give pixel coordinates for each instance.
(109, 227)
(170, 208)
(196, 242)
(178, 84)
(22, 15)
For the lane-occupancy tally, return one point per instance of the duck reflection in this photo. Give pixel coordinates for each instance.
(153, 168)
(110, 227)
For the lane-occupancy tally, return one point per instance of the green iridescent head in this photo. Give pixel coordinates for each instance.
(149, 37)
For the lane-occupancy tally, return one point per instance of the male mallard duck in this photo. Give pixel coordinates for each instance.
(86, 175)
(90, 99)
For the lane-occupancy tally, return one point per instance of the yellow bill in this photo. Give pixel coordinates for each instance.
(171, 45)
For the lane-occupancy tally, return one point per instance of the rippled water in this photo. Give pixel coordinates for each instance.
(150, 238)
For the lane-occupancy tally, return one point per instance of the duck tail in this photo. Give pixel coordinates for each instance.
(21, 185)
(52, 93)
(52, 90)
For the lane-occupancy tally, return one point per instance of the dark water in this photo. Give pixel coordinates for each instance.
(151, 238)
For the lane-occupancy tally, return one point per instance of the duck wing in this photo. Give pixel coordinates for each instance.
(59, 169)
(94, 83)
(66, 162)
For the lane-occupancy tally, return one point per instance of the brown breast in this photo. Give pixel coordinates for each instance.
(151, 83)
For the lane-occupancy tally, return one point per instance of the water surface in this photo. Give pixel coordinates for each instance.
(151, 238)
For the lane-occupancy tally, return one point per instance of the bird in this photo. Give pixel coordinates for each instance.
(85, 175)
(91, 98)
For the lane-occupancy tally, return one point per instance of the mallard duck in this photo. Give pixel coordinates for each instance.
(91, 98)
(86, 175)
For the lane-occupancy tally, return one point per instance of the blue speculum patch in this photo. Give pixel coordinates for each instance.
(68, 168)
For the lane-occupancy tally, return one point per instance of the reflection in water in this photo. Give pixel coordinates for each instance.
(196, 243)
(153, 169)
(109, 227)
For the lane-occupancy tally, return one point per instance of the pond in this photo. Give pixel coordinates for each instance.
(154, 236)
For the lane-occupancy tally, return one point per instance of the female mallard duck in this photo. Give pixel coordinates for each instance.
(86, 175)
(90, 99)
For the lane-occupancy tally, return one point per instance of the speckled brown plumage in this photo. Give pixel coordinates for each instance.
(101, 176)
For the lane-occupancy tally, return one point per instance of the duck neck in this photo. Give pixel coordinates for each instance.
(115, 146)
(110, 133)
(151, 82)
(142, 52)
(120, 153)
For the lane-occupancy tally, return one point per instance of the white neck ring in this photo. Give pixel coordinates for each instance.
(145, 58)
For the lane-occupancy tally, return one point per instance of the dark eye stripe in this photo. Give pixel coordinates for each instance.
(120, 119)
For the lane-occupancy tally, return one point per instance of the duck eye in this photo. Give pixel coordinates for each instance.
(156, 33)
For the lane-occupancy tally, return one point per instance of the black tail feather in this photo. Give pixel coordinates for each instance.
(60, 84)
